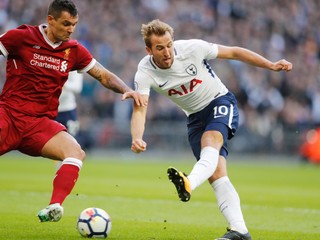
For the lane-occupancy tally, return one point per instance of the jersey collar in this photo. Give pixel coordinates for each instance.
(53, 45)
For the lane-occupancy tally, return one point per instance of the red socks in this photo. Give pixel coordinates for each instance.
(65, 179)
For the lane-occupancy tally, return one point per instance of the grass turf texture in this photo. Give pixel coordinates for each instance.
(279, 201)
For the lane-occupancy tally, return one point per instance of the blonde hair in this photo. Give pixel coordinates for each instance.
(154, 27)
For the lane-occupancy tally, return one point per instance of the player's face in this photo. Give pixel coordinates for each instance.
(162, 50)
(61, 29)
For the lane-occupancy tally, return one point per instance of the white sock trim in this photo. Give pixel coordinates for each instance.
(219, 181)
(72, 161)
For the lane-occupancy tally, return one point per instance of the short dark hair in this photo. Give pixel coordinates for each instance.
(58, 6)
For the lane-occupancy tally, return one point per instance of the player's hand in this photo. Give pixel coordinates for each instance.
(137, 97)
(138, 146)
(282, 65)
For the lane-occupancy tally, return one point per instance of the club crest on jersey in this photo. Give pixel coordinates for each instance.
(191, 70)
(64, 66)
(66, 53)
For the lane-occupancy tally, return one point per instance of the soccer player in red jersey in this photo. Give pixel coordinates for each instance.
(39, 59)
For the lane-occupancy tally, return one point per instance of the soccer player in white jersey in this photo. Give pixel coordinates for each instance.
(67, 110)
(179, 70)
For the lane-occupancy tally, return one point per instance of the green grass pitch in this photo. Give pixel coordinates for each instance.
(279, 201)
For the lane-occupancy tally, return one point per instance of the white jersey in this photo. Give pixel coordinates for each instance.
(189, 82)
(73, 86)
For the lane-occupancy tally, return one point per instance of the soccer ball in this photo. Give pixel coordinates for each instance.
(94, 223)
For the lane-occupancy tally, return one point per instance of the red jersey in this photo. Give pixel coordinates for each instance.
(37, 69)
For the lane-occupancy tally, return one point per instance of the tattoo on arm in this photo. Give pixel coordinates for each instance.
(108, 79)
(96, 71)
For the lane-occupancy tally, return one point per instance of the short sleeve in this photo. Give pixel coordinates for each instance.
(85, 61)
(10, 40)
(209, 50)
(142, 83)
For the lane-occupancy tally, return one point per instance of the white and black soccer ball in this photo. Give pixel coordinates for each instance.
(94, 223)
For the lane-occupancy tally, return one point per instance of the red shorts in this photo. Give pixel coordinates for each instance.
(24, 133)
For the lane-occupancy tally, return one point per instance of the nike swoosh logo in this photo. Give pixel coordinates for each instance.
(219, 116)
(161, 85)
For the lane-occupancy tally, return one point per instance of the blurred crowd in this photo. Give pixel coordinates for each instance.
(275, 107)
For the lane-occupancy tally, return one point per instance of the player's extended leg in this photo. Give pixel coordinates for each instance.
(62, 147)
(211, 141)
(229, 203)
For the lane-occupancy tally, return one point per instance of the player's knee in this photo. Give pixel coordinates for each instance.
(218, 139)
(212, 138)
(77, 153)
(81, 154)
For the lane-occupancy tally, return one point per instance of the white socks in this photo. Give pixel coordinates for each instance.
(229, 204)
(69, 160)
(204, 168)
(227, 197)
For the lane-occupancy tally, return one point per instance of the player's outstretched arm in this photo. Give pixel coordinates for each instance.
(138, 120)
(114, 83)
(252, 58)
